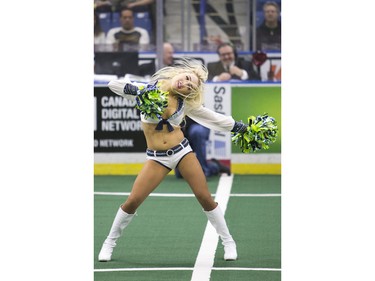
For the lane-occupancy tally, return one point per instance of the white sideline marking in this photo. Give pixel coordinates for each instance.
(246, 268)
(255, 195)
(143, 269)
(152, 194)
(182, 268)
(205, 259)
(190, 194)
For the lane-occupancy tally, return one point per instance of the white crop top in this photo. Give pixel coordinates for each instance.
(201, 115)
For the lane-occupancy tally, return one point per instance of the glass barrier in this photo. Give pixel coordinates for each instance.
(200, 25)
(194, 28)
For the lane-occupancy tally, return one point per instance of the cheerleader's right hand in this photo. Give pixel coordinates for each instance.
(130, 89)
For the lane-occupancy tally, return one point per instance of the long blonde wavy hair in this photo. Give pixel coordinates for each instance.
(185, 65)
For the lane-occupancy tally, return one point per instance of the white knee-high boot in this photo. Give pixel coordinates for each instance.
(216, 218)
(122, 219)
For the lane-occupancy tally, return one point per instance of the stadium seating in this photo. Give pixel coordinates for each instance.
(105, 20)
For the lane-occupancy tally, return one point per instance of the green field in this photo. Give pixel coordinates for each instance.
(163, 240)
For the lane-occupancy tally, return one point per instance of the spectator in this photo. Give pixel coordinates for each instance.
(230, 67)
(268, 34)
(142, 6)
(99, 35)
(150, 68)
(145, 6)
(127, 35)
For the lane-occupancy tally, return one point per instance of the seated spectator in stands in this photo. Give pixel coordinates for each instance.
(268, 34)
(142, 6)
(99, 35)
(230, 67)
(102, 6)
(198, 136)
(127, 36)
(148, 6)
(150, 68)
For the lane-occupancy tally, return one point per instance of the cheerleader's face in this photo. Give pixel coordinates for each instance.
(185, 83)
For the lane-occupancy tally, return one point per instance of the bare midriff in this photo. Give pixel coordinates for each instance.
(161, 140)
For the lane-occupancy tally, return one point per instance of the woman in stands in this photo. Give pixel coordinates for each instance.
(167, 147)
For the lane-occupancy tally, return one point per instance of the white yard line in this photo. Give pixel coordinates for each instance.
(206, 255)
(152, 194)
(143, 269)
(183, 269)
(255, 195)
(246, 268)
(190, 194)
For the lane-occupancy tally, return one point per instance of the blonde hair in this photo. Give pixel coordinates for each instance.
(183, 65)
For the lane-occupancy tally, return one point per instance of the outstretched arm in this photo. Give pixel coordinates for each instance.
(211, 119)
(259, 133)
(216, 121)
(125, 88)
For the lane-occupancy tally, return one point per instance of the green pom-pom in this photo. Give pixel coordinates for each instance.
(261, 132)
(152, 101)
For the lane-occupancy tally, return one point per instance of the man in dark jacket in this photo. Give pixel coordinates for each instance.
(269, 32)
(230, 67)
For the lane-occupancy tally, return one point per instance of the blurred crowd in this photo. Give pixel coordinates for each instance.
(129, 26)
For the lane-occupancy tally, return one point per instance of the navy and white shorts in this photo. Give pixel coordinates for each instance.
(170, 158)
